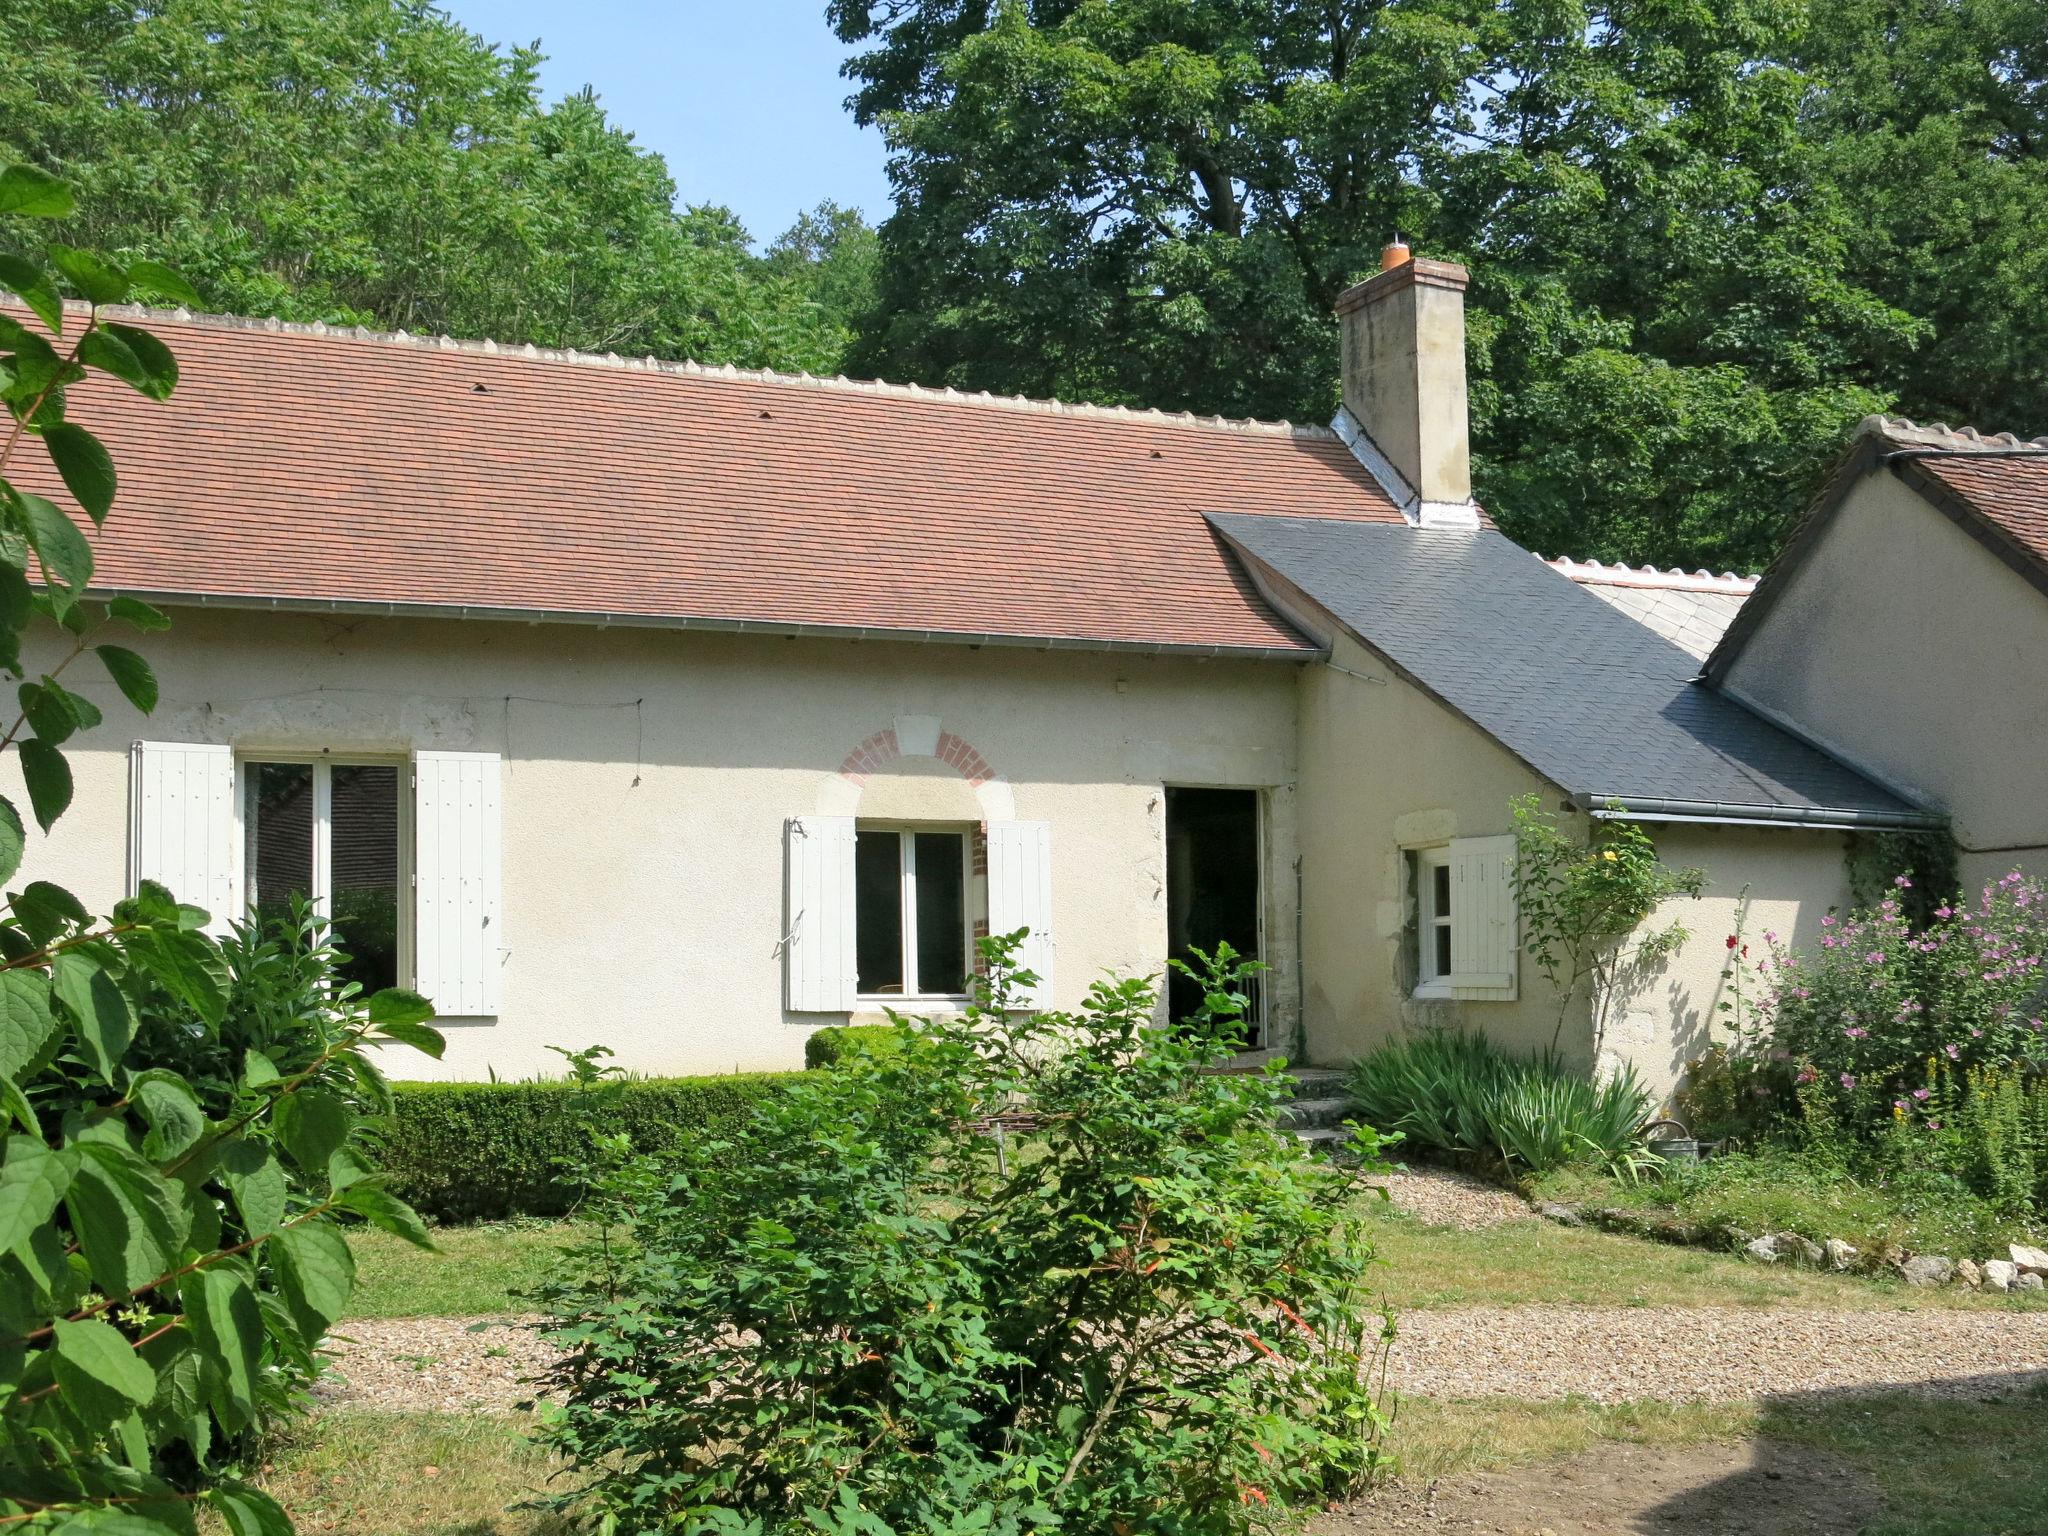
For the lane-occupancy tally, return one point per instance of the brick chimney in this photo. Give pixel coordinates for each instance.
(1402, 345)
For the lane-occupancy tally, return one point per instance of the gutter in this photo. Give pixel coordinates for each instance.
(1724, 813)
(606, 620)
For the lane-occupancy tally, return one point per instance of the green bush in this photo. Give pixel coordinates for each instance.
(864, 1311)
(486, 1151)
(1457, 1092)
(829, 1046)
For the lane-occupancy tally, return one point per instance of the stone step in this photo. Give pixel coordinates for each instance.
(1314, 1114)
(1317, 1082)
(1324, 1138)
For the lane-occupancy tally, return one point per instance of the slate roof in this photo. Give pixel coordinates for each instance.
(315, 466)
(1594, 701)
(1691, 609)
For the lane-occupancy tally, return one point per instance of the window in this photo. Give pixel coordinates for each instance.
(329, 832)
(1466, 926)
(1433, 919)
(910, 912)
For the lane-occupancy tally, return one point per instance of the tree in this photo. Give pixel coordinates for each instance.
(372, 162)
(1158, 202)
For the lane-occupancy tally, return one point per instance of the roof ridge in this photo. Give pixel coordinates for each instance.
(1940, 435)
(529, 351)
(1618, 575)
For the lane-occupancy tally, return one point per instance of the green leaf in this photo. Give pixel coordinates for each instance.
(182, 962)
(316, 1273)
(311, 1123)
(98, 280)
(135, 611)
(13, 839)
(48, 778)
(49, 711)
(131, 674)
(32, 285)
(27, 1027)
(159, 367)
(418, 1036)
(228, 1326)
(27, 189)
(15, 1110)
(386, 1212)
(45, 910)
(108, 1521)
(162, 282)
(249, 1511)
(99, 1373)
(257, 1069)
(66, 556)
(32, 1180)
(85, 464)
(129, 1220)
(171, 1110)
(397, 1005)
(104, 1019)
(256, 1179)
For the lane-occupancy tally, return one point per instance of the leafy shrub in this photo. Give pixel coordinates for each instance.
(187, 1138)
(829, 1046)
(486, 1151)
(1021, 1271)
(1457, 1092)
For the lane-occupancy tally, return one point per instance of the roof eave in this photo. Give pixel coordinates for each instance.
(1626, 807)
(258, 603)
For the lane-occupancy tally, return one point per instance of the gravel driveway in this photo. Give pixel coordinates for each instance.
(1606, 1354)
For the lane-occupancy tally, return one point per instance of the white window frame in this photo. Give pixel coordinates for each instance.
(323, 765)
(1429, 981)
(906, 879)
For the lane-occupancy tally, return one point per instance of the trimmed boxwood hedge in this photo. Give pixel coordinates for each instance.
(486, 1151)
(835, 1042)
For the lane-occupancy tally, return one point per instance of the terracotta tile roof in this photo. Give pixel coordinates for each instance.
(2003, 479)
(303, 464)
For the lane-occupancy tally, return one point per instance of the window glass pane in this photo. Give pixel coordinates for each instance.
(1443, 949)
(1440, 880)
(364, 865)
(878, 912)
(941, 912)
(277, 829)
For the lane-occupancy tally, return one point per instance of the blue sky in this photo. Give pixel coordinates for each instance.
(743, 98)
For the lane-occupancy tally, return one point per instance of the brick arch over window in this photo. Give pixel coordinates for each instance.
(916, 736)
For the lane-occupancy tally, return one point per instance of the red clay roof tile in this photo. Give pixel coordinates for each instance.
(301, 464)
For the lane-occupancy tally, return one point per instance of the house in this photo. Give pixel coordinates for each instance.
(685, 710)
(1905, 630)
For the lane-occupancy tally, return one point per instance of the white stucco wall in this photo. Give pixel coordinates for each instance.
(647, 777)
(1386, 769)
(1907, 648)
(1760, 881)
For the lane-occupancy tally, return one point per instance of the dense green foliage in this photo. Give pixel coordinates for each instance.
(487, 1151)
(1458, 1093)
(1909, 1054)
(185, 1117)
(372, 162)
(1023, 1272)
(833, 1044)
(1705, 238)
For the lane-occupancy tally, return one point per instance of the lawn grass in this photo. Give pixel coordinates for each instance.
(474, 1271)
(1945, 1469)
(1519, 1262)
(480, 1271)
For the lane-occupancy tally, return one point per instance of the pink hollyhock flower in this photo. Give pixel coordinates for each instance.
(1953, 1054)
(1920, 1094)
(1848, 1081)
(1857, 1032)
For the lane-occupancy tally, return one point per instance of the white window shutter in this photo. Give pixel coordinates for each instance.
(458, 935)
(1485, 926)
(183, 825)
(1020, 896)
(817, 942)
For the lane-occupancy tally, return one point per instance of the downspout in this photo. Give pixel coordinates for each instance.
(1299, 1055)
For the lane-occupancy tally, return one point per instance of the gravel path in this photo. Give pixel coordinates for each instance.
(1437, 1197)
(1607, 1354)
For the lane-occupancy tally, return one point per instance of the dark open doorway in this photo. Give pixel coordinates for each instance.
(1212, 887)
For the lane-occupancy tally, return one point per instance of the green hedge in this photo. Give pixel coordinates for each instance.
(836, 1042)
(486, 1151)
